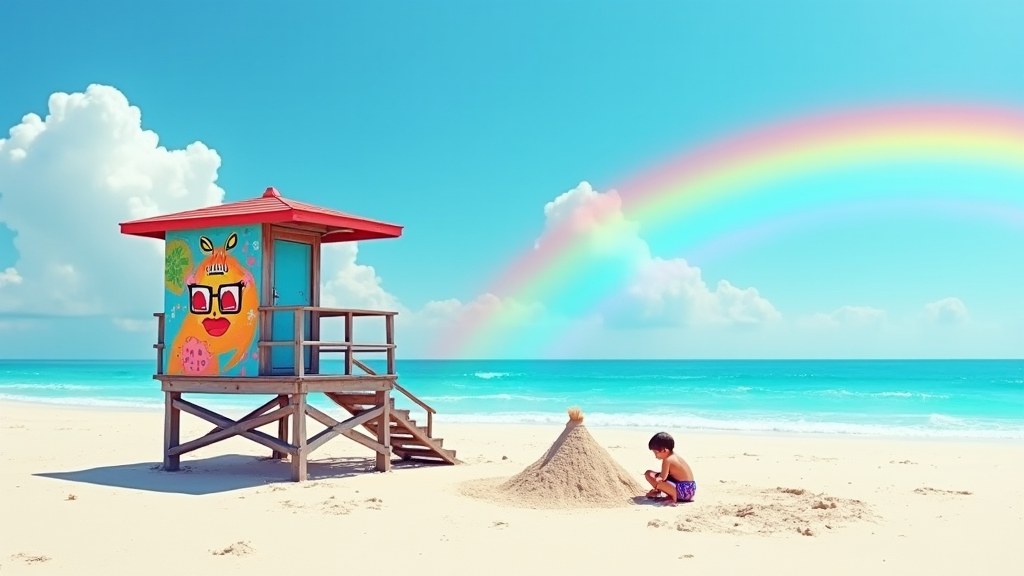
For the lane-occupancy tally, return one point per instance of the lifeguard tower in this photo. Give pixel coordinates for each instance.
(242, 315)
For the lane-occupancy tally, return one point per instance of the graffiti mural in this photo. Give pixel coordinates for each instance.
(211, 301)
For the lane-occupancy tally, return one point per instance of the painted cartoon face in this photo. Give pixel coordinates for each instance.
(221, 289)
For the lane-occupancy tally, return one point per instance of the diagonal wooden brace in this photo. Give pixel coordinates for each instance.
(228, 428)
(368, 442)
(335, 428)
(270, 404)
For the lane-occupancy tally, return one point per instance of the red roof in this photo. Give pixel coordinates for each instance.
(271, 208)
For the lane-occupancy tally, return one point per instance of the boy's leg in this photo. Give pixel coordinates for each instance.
(670, 489)
(650, 477)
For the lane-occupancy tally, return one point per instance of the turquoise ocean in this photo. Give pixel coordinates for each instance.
(913, 398)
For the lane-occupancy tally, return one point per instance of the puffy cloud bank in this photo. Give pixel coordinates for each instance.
(657, 291)
(66, 180)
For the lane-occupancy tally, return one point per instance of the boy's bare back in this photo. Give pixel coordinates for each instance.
(676, 468)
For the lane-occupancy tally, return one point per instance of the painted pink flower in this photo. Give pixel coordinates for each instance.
(250, 260)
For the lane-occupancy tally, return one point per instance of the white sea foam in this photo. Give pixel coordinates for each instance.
(505, 397)
(893, 394)
(492, 375)
(46, 386)
(943, 420)
(86, 402)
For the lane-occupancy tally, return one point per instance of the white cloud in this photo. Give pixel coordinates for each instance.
(946, 311)
(67, 180)
(850, 316)
(9, 276)
(443, 313)
(344, 283)
(656, 291)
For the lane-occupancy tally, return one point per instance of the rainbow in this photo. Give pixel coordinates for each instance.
(740, 167)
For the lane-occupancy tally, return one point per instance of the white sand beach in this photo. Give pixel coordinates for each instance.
(81, 495)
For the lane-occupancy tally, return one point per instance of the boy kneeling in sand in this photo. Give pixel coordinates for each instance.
(675, 478)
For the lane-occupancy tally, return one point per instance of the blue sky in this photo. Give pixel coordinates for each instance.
(461, 120)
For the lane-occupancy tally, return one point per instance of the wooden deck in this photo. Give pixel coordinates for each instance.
(371, 418)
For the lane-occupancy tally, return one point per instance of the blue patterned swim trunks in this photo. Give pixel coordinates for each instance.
(685, 489)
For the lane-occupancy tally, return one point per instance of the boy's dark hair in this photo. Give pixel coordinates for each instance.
(662, 441)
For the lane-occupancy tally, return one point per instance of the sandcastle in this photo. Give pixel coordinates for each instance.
(576, 472)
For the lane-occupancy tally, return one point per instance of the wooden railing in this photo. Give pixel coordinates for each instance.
(348, 346)
(426, 407)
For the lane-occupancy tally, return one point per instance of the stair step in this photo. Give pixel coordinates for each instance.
(414, 442)
(421, 448)
(408, 440)
(403, 413)
(394, 421)
(432, 455)
(355, 398)
(406, 430)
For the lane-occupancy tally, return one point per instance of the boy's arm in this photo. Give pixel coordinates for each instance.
(664, 471)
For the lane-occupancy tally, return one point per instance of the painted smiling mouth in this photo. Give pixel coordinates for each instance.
(216, 326)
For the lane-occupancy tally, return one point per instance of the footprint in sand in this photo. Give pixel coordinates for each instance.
(926, 491)
(240, 548)
(803, 458)
(332, 505)
(30, 558)
(499, 524)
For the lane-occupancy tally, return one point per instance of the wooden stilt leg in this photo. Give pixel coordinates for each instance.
(172, 431)
(384, 431)
(282, 428)
(299, 438)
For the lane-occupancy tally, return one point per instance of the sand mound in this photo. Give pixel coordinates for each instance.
(576, 472)
(772, 511)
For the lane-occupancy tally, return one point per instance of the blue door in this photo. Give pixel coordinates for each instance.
(293, 286)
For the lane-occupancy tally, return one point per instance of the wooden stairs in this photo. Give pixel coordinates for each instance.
(408, 440)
